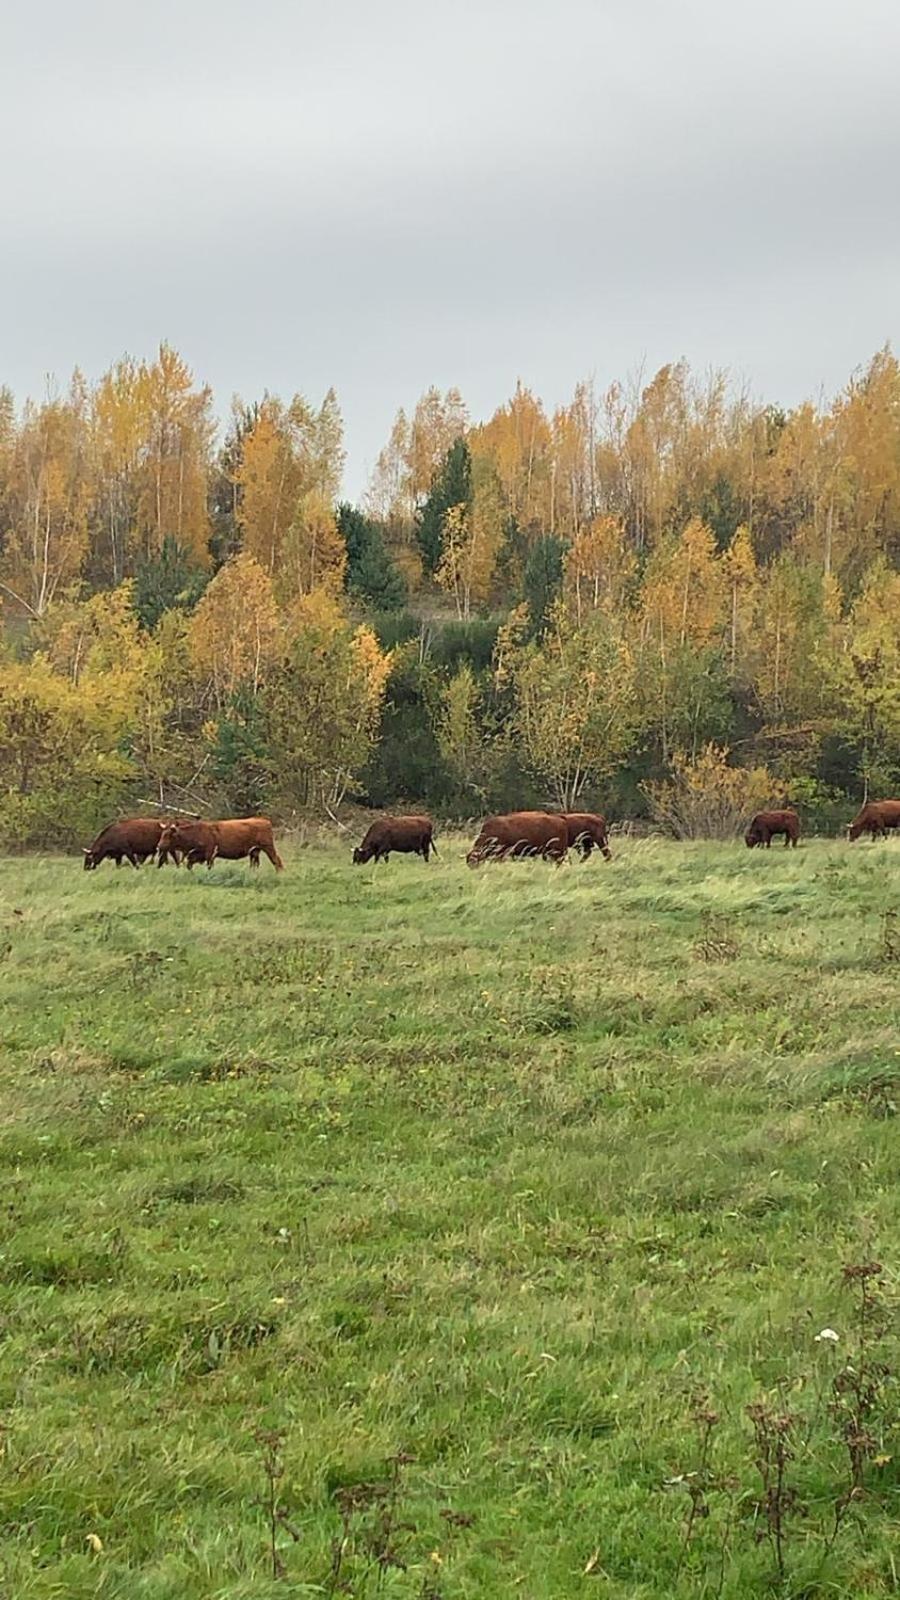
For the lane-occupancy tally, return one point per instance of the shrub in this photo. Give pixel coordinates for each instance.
(706, 798)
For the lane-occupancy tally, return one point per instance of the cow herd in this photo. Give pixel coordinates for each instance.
(548, 834)
(138, 839)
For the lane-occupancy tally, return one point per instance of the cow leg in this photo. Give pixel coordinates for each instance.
(253, 855)
(135, 859)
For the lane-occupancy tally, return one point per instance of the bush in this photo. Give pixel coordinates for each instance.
(708, 799)
(823, 808)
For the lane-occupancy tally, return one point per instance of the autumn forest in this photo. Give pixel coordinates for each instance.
(666, 582)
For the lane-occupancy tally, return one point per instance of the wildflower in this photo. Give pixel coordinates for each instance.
(827, 1336)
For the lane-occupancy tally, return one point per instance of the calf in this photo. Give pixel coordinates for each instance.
(766, 824)
(405, 835)
(231, 840)
(521, 833)
(876, 818)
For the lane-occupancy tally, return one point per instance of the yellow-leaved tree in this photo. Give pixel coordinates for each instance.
(460, 736)
(862, 682)
(791, 621)
(472, 535)
(291, 456)
(680, 619)
(323, 707)
(575, 706)
(122, 672)
(234, 632)
(314, 555)
(46, 503)
(62, 764)
(177, 431)
(741, 579)
(599, 568)
(120, 437)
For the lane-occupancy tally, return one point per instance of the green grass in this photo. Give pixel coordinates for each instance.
(495, 1169)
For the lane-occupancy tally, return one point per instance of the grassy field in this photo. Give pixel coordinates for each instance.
(482, 1192)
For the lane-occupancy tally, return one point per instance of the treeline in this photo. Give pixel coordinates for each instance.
(534, 609)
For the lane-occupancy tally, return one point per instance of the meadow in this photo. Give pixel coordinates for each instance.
(409, 1231)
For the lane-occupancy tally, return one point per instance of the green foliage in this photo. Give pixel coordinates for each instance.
(721, 509)
(698, 705)
(458, 643)
(225, 486)
(393, 628)
(452, 486)
(821, 807)
(543, 578)
(575, 710)
(240, 755)
(406, 762)
(167, 582)
(371, 576)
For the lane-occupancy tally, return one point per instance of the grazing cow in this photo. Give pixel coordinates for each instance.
(521, 833)
(406, 835)
(223, 841)
(587, 829)
(134, 838)
(766, 824)
(875, 818)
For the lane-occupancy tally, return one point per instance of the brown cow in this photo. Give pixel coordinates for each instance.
(406, 835)
(134, 838)
(766, 824)
(587, 829)
(521, 833)
(876, 818)
(224, 841)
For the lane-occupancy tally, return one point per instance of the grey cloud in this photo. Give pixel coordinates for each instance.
(385, 195)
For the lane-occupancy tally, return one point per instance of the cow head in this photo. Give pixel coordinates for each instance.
(854, 830)
(751, 838)
(362, 854)
(90, 860)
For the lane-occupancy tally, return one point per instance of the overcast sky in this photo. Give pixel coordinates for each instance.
(385, 194)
